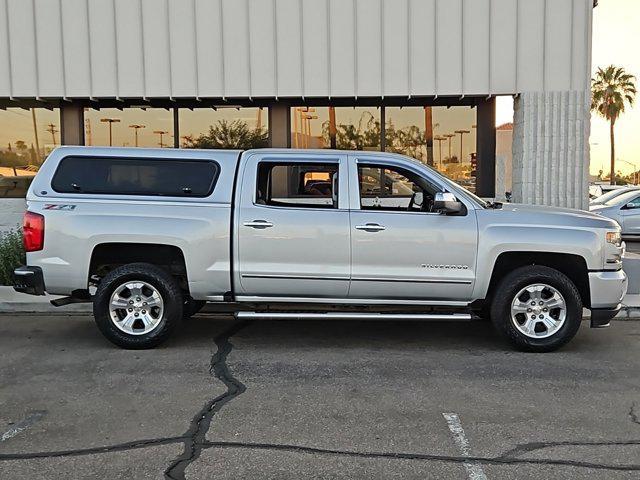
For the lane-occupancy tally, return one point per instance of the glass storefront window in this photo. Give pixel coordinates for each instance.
(233, 128)
(344, 128)
(453, 133)
(27, 136)
(129, 127)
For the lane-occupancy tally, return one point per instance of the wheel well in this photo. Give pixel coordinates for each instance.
(107, 256)
(573, 266)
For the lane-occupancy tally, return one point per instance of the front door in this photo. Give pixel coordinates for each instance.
(292, 227)
(401, 248)
(630, 214)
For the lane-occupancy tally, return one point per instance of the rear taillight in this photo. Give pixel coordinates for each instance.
(33, 231)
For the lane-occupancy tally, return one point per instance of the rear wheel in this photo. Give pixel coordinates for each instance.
(137, 305)
(537, 308)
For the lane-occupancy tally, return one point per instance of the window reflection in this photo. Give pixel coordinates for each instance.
(129, 127)
(344, 128)
(442, 137)
(27, 136)
(232, 128)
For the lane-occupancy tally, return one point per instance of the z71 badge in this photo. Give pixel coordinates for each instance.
(54, 206)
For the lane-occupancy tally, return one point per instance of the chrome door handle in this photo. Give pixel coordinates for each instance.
(371, 227)
(258, 224)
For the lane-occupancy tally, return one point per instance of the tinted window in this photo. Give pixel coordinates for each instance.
(298, 185)
(134, 176)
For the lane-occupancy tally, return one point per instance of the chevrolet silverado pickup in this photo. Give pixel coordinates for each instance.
(151, 235)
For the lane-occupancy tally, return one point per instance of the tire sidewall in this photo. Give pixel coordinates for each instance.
(514, 283)
(161, 281)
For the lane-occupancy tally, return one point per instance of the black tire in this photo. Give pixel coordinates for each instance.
(166, 286)
(513, 283)
(190, 307)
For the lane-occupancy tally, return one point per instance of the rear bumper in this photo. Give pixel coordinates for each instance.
(28, 280)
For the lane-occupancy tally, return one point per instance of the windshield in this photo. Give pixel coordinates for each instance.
(623, 199)
(604, 198)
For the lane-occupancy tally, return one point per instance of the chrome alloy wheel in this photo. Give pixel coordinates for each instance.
(136, 307)
(538, 310)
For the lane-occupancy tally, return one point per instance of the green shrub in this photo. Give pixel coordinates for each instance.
(11, 255)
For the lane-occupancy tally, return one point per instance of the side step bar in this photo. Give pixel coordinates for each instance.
(351, 316)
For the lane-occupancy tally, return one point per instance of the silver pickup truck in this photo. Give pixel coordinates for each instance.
(150, 235)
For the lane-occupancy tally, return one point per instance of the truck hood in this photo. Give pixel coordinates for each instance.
(544, 215)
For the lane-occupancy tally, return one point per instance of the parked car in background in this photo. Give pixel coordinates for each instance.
(611, 194)
(598, 189)
(624, 209)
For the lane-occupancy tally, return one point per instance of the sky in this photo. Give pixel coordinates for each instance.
(616, 40)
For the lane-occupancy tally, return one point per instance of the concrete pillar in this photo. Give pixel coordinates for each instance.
(71, 123)
(551, 148)
(280, 126)
(486, 148)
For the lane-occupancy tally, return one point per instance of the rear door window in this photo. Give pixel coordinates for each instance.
(301, 185)
(135, 176)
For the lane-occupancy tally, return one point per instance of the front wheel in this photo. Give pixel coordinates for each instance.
(137, 305)
(537, 308)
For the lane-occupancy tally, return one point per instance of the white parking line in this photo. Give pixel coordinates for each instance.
(474, 469)
(21, 425)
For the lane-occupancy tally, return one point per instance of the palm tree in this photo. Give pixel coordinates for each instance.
(611, 89)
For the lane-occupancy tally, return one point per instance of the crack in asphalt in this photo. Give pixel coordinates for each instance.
(195, 436)
(119, 447)
(633, 415)
(499, 460)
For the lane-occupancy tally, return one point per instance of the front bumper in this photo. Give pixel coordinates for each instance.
(28, 280)
(607, 288)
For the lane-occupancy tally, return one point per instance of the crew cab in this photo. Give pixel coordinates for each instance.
(150, 235)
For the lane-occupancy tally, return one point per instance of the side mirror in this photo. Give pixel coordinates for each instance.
(446, 202)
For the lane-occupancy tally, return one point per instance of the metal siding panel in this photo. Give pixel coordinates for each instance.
(235, 52)
(289, 48)
(103, 48)
(530, 45)
(449, 48)
(369, 39)
(129, 49)
(342, 59)
(156, 48)
(423, 47)
(263, 55)
(23, 49)
(476, 47)
(396, 60)
(50, 62)
(209, 46)
(558, 42)
(580, 48)
(5, 61)
(77, 70)
(315, 53)
(503, 46)
(182, 52)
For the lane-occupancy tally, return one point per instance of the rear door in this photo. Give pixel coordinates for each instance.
(401, 248)
(292, 226)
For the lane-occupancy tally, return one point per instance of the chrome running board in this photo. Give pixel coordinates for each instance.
(351, 316)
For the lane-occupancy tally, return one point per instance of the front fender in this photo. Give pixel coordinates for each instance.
(497, 239)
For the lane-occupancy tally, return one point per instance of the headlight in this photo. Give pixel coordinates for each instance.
(614, 238)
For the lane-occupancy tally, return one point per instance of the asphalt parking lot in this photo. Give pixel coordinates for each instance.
(331, 400)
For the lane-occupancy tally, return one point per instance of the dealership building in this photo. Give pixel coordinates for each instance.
(419, 77)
